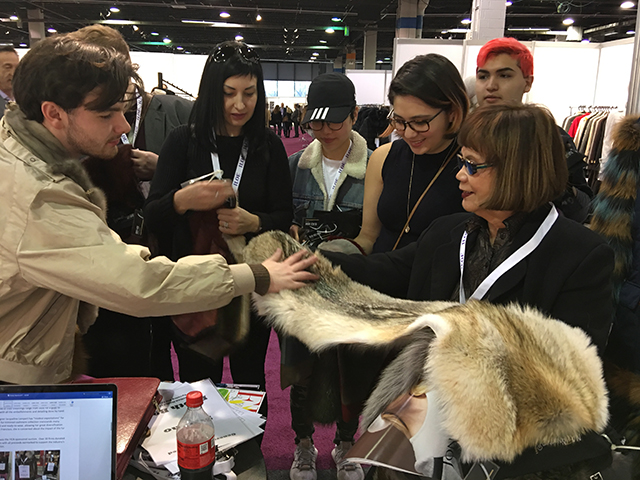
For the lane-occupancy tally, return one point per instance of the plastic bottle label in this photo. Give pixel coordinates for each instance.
(194, 456)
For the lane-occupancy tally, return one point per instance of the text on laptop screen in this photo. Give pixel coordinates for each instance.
(57, 432)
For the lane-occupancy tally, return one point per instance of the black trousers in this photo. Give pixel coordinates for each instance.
(302, 423)
(246, 362)
(119, 345)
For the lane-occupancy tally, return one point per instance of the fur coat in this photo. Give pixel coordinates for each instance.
(509, 377)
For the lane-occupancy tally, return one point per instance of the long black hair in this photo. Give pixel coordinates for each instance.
(227, 59)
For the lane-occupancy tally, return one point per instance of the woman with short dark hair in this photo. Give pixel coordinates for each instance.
(511, 246)
(411, 181)
(225, 132)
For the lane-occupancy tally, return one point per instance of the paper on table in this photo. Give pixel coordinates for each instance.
(231, 430)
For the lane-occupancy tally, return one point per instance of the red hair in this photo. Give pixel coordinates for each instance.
(511, 47)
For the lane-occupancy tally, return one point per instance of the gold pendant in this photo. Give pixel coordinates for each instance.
(406, 230)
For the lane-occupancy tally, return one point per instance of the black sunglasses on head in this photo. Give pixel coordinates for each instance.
(223, 53)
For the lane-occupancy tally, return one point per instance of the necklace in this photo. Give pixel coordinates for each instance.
(413, 163)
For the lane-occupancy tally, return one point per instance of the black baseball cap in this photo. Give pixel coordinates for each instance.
(331, 98)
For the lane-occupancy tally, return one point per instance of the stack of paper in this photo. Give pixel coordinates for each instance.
(233, 424)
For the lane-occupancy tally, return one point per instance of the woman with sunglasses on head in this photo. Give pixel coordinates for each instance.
(411, 181)
(226, 131)
(511, 246)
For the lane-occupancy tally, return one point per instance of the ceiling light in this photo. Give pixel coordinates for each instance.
(528, 29)
(119, 22)
(568, 21)
(258, 17)
(387, 58)
(466, 21)
(379, 61)
(135, 28)
(627, 5)
(224, 15)
(239, 38)
(456, 30)
(631, 32)
(166, 40)
(329, 30)
(508, 3)
(14, 18)
(23, 44)
(586, 40)
(336, 19)
(114, 9)
(52, 30)
(315, 54)
(179, 48)
(155, 34)
(322, 41)
(444, 31)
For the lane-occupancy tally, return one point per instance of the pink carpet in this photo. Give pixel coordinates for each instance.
(293, 145)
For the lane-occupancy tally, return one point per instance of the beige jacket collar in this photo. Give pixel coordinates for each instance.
(43, 144)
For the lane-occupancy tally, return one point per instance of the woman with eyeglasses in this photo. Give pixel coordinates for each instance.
(328, 188)
(411, 181)
(511, 245)
(227, 132)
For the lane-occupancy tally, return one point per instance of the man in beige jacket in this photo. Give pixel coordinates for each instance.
(58, 258)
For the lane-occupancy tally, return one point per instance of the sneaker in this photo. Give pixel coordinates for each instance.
(304, 461)
(346, 470)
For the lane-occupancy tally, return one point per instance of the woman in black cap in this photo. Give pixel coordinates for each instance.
(227, 131)
(328, 183)
(411, 181)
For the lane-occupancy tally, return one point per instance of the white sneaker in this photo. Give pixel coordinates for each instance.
(304, 461)
(346, 470)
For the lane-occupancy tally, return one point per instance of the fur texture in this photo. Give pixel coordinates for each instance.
(613, 214)
(509, 377)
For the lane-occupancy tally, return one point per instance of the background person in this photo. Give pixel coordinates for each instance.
(328, 178)
(8, 62)
(59, 258)
(512, 165)
(226, 131)
(117, 344)
(295, 118)
(429, 105)
(276, 119)
(504, 74)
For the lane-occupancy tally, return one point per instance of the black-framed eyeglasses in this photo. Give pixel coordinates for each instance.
(223, 53)
(472, 168)
(418, 126)
(317, 125)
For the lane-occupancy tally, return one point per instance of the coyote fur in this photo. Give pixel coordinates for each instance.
(509, 377)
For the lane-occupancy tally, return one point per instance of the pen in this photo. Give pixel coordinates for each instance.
(238, 385)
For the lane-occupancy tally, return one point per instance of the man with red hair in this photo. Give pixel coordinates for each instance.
(504, 74)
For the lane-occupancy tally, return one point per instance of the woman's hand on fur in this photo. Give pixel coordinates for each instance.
(237, 221)
(202, 196)
(289, 274)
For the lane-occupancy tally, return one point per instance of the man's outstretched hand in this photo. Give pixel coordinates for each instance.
(290, 273)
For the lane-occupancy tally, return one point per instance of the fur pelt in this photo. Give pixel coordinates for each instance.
(509, 377)
(613, 207)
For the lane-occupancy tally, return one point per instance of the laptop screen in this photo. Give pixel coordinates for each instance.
(52, 432)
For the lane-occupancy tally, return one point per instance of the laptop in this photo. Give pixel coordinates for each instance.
(55, 432)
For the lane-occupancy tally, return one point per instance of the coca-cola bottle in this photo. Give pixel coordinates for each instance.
(196, 437)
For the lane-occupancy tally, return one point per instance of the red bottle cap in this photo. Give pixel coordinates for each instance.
(194, 399)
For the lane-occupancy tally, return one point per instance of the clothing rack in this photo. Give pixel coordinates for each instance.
(162, 82)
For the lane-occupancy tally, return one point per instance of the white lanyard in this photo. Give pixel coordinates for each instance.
(136, 126)
(242, 159)
(515, 258)
(340, 169)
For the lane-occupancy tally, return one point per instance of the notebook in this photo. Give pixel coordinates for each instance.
(53, 432)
